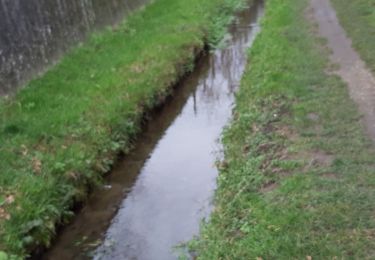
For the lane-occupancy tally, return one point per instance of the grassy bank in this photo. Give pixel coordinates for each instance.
(59, 133)
(298, 180)
(358, 19)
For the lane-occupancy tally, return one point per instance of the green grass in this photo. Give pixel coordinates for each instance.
(64, 129)
(298, 180)
(358, 19)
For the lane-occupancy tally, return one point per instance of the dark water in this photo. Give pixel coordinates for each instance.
(156, 197)
(35, 33)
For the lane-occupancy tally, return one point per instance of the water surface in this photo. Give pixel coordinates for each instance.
(157, 196)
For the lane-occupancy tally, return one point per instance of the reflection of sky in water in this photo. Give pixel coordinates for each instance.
(173, 191)
(226, 67)
(34, 33)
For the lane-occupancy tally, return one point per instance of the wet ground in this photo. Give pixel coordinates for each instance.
(157, 196)
(351, 68)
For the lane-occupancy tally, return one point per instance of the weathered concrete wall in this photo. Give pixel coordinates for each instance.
(35, 33)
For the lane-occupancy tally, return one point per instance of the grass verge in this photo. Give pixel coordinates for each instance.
(298, 180)
(358, 19)
(59, 133)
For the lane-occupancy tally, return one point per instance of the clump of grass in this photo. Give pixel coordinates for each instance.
(358, 19)
(218, 24)
(298, 177)
(60, 132)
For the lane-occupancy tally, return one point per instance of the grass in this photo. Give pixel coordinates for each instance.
(358, 19)
(298, 179)
(60, 133)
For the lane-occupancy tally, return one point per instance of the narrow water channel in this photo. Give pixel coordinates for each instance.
(156, 197)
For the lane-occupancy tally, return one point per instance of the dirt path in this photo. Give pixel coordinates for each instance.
(352, 69)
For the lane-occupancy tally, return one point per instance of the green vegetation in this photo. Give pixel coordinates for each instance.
(358, 19)
(59, 133)
(298, 177)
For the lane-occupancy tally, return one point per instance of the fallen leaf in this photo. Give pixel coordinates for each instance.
(24, 150)
(72, 175)
(4, 214)
(255, 128)
(9, 199)
(37, 165)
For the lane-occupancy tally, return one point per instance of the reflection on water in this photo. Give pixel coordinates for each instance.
(156, 196)
(173, 191)
(35, 33)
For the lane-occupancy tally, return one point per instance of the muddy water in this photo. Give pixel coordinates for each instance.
(35, 33)
(157, 196)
